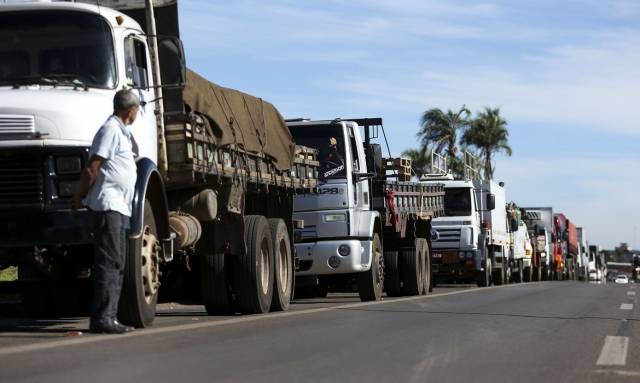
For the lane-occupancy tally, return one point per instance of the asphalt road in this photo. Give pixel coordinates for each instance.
(537, 332)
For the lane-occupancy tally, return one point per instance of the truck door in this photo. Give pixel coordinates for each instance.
(138, 76)
(360, 186)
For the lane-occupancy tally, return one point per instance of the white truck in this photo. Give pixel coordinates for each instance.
(217, 169)
(520, 249)
(539, 221)
(471, 240)
(367, 227)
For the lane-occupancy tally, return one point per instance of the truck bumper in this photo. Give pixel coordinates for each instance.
(322, 257)
(39, 228)
(448, 264)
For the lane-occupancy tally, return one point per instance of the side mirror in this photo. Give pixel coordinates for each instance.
(362, 176)
(491, 201)
(173, 68)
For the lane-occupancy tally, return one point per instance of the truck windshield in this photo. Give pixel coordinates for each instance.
(56, 48)
(457, 202)
(329, 140)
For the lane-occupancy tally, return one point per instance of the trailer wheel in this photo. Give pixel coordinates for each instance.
(283, 275)
(425, 266)
(411, 275)
(392, 281)
(253, 271)
(428, 286)
(497, 276)
(216, 295)
(517, 277)
(527, 274)
(371, 283)
(141, 280)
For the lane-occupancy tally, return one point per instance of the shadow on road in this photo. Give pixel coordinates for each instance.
(42, 326)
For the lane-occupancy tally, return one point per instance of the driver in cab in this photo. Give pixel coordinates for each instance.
(334, 162)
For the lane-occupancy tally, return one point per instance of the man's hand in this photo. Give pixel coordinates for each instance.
(76, 202)
(87, 180)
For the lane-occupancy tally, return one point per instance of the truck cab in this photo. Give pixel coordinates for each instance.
(456, 234)
(60, 65)
(338, 220)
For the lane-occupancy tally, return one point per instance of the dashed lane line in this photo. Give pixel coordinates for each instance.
(614, 351)
(223, 322)
(631, 293)
(626, 306)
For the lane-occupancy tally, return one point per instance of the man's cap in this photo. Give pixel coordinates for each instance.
(125, 99)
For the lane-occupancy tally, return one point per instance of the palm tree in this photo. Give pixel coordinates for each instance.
(439, 131)
(488, 133)
(420, 161)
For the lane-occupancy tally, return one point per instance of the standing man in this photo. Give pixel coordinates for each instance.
(108, 184)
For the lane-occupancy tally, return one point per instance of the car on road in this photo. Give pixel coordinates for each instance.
(622, 279)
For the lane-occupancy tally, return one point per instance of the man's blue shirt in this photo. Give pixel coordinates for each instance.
(116, 180)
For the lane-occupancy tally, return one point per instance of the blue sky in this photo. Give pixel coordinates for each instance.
(565, 74)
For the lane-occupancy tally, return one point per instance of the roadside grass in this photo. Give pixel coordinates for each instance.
(8, 275)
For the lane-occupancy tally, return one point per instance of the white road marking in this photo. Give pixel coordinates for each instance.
(626, 306)
(631, 293)
(619, 372)
(614, 351)
(223, 322)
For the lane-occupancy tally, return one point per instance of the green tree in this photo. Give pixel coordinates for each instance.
(439, 132)
(420, 160)
(488, 132)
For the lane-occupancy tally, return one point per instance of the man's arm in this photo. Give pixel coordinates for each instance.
(87, 179)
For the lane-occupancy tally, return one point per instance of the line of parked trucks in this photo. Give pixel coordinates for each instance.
(235, 208)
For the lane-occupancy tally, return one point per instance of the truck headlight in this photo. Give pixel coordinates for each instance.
(68, 165)
(335, 218)
(344, 250)
(67, 188)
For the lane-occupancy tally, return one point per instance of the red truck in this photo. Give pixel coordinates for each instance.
(565, 242)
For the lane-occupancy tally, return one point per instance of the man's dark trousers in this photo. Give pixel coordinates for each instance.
(110, 249)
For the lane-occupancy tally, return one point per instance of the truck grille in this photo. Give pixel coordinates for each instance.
(15, 124)
(448, 235)
(21, 182)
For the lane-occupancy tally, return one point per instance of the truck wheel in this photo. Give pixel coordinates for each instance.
(527, 274)
(392, 281)
(141, 275)
(371, 283)
(253, 274)
(517, 277)
(428, 278)
(283, 265)
(411, 275)
(498, 277)
(484, 277)
(536, 274)
(214, 284)
(544, 275)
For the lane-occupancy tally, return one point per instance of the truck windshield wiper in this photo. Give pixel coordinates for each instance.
(68, 79)
(34, 79)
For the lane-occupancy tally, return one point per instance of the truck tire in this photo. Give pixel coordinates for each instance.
(527, 274)
(411, 275)
(517, 277)
(535, 277)
(484, 277)
(392, 281)
(141, 275)
(283, 265)
(214, 283)
(371, 283)
(544, 274)
(253, 271)
(428, 278)
(497, 276)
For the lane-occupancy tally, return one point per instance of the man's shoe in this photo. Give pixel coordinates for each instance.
(110, 327)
